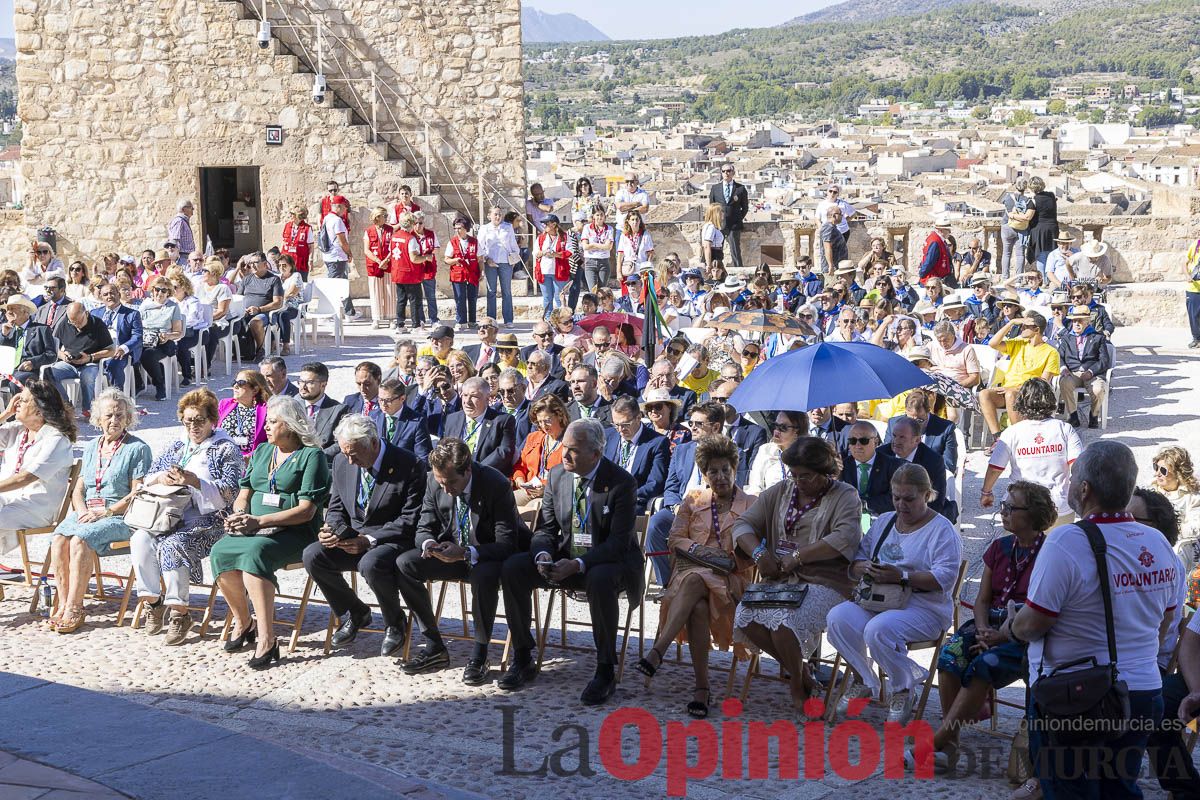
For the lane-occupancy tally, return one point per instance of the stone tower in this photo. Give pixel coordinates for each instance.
(130, 105)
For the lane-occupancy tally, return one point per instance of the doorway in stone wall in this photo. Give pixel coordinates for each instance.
(230, 203)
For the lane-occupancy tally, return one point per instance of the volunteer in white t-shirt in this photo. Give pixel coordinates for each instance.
(1037, 448)
(1063, 619)
(1188, 701)
(337, 258)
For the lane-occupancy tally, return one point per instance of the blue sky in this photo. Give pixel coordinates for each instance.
(638, 19)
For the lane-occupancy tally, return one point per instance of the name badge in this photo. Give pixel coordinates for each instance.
(272, 499)
(96, 504)
(583, 539)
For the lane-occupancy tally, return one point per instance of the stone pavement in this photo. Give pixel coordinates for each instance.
(358, 709)
(28, 780)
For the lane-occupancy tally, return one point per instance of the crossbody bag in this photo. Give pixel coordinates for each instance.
(876, 597)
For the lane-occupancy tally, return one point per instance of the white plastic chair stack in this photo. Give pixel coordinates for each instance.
(328, 295)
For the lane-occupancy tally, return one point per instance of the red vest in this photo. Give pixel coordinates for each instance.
(467, 272)
(400, 208)
(429, 247)
(379, 245)
(402, 268)
(295, 243)
(327, 207)
(942, 268)
(562, 258)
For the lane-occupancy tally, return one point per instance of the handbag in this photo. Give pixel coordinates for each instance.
(1089, 706)
(774, 595)
(876, 597)
(158, 509)
(713, 558)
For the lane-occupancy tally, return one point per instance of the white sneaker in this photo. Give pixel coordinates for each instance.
(900, 707)
(855, 691)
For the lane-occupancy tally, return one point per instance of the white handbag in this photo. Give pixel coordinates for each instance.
(158, 508)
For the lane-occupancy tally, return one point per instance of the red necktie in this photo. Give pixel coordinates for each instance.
(368, 407)
(312, 409)
(50, 316)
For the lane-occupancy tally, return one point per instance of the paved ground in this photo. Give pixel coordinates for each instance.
(356, 708)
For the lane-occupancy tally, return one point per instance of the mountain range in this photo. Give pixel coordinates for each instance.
(538, 26)
(856, 11)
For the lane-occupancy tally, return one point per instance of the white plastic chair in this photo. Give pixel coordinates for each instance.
(1081, 392)
(328, 295)
(298, 326)
(229, 342)
(987, 362)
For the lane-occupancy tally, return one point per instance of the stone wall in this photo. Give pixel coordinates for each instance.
(123, 101)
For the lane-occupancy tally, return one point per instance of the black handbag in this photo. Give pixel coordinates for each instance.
(1090, 706)
(775, 595)
(711, 557)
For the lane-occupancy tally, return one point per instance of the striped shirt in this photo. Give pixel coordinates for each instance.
(179, 229)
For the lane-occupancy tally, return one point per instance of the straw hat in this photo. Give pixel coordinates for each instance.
(654, 396)
(1060, 299)
(1094, 249)
(507, 340)
(942, 222)
(21, 301)
(919, 354)
(1080, 312)
(980, 279)
(924, 307)
(846, 267)
(162, 255)
(953, 302)
(733, 284)
(1064, 238)
(1010, 298)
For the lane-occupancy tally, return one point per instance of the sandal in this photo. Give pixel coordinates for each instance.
(646, 668)
(72, 621)
(698, 709)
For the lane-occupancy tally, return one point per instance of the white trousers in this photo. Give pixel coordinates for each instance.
(151, 576)
(887, 634)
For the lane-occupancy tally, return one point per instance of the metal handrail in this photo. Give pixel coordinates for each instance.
(369, 110)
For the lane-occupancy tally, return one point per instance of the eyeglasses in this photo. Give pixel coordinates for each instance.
(242, 383)
(625, 426)
(750, 354)
(76, 269)
(1161, 470)
(172, 247)
(784, 426)
(721, 400)
(859, 440)
(157, 289)
(601, 345)
(43, 252)
(510, 390)
(675, 352)
(487, 327)
(193, 422)
(1007, 506)
(546, 335)
(727, 171)
(308, 381)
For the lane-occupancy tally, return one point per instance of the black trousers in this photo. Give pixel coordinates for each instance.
(409, 295)
(151, 361)
(603, 584)
(733, 243)
(413, 570)
(378, 568)
(212, 335)
(1169, 759)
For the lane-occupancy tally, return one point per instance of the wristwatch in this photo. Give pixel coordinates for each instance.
(904, 577)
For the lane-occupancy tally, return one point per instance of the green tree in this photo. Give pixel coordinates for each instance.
(1158, 116)
(1056, 106)
(1022, 116)
(981, 112)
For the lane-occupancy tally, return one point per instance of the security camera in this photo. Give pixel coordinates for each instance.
(318, 90)
(264, 35)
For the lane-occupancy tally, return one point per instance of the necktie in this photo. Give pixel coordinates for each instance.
(728, 191)
(579, 516)
(472, 434)
(109, 318)
(864, 477)
(485, 357)
(390, 428)
(20, 347)
(463, 520)
(50, 316)
(368, 407)
(366, 485)
(312, 409)
(586, 411)
(626, 450)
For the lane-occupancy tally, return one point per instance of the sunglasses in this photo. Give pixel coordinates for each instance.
(675, 352)
(784, 426)
(1161, 470)
(487, 327)
(601, 345)
(76, 269)
(158, 289)
(43, 252)
(750, 353)
(727, 172)
(242, 383)
(857, 440)
(546, 335)
(1007, 506)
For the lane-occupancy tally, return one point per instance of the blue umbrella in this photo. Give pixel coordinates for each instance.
(824, 375)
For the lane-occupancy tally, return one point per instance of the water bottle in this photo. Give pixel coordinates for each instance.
(47, 596)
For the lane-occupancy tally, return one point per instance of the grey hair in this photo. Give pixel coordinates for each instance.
(122, 401)
(1022, 184)
(590, 431)
(429, 361)
(539, 358)
(402, 344)
(613, 367)
(183, 203)
(273, 363)
(476, 383)
(290, 411)
(945, 326)
(913, 426)
(515, 374)
(356, 428)
(1037, 184)
(1110, 470)
(699, 352)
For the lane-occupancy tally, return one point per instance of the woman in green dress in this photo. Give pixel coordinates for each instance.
(276, 515)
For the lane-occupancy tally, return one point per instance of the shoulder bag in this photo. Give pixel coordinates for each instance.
(1089, 706)
(713, 558)
(876, 597)
(157, 509)
(775, 595)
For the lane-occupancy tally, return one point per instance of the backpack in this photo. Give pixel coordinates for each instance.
(324, 244)
(1021, 215)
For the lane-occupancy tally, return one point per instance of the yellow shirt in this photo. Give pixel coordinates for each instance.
(427, 350)
(1193, 261)
(1028, 362)
(700, 385)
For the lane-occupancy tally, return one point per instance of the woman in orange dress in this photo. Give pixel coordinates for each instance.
(542, 449)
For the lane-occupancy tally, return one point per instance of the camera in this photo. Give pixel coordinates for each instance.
(264, 35)
(318, 90)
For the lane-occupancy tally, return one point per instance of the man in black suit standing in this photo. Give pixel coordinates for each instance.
(735, 204)
(586, 402)
(906, 445)
(490, 434)
(869, 470)
(468, 527)
(543, 336)
(539, 369)
(374, 503)
(323, 410)
(638, 449)
(585, 541)
(33, 341)
(397, 422)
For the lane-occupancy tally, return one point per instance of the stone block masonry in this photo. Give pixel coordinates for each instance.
(123, 101)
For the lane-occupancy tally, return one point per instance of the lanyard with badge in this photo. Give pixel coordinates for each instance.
(581, 537)
(186, 453)
(547, 451)
(273, 498)
(98, 503)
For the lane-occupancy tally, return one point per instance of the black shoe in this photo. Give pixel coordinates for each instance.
(431, 658)
(517, 675)
(1074, 419)
(159, 396)
(1093, 422)
(598, 690)
(393, 640)
(477, 672)
(348, 630)
(264, 661)
(1194, 344)
(186, 382)
(249, 636)
(259, 355)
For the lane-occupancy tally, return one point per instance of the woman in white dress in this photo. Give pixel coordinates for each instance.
(35, 457)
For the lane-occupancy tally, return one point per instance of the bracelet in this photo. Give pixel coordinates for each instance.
(985, 493)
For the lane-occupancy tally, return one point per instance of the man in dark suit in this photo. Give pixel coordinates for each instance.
(490, 434)
(367, 377)
(127, 323)
(33, 341)
(511, 387)
(869, 470)
(54, 302)
(586, 402)
(485, 351)
(398, 424)
(584, 540)
(747, 435)
(374, 502)
(735, 204)
(906, 446)
(1085, 362)
(468, 527)
(323, 410)
(543, 336)
(936, 433)
(274, 369)
(683, 475)
(828, 427)
(539, 370)
(637, 449)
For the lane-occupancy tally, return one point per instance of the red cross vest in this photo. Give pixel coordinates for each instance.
(379, 245)
(295, 243)
(403, 269)
(468, 271)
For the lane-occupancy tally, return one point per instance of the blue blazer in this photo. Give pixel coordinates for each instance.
(649, 462)
(354, 405)
(410, 434)
(128, 324)
(683, 460)
(748, 436)
(939, 437)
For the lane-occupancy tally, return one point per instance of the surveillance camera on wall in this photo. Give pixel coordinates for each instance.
(264, 35)
(319, 88)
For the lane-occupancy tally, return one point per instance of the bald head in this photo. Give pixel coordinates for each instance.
(863, 440)
(77, 315)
